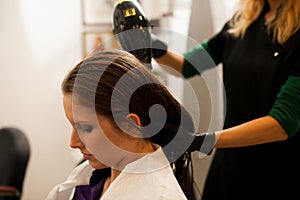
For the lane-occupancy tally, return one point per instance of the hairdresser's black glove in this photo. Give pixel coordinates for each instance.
(142, 46)
(203, 142)
(158, 47)
(197, 142)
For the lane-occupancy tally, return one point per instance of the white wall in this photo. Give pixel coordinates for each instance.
(40, 41)
(207, 18)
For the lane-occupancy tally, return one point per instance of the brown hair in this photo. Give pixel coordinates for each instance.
(285, 24)
(115, 83)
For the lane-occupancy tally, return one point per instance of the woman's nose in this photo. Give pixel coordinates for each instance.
(75, 141)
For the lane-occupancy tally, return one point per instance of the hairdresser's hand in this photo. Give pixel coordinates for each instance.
(158, 47)
(197, 142)
(203, 142)
(142, 45)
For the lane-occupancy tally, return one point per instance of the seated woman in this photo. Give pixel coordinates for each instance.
(129, 128)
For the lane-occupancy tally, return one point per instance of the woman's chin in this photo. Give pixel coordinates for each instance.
(96, 164)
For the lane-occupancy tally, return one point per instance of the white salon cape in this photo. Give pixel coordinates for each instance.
(148, 178)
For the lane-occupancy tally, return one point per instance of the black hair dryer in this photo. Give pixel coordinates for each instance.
(132, 30)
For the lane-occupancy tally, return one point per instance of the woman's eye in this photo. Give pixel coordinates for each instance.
(87, 129)
(84, 128)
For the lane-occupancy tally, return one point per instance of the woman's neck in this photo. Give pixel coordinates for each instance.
(116, 172)
(142, 149)
(273, 5)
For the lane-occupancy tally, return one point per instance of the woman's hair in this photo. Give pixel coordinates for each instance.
(285, 24)
(116, 84)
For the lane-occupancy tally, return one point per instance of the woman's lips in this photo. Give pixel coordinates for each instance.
(87, 156)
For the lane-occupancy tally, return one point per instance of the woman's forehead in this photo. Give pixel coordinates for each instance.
(79, 111)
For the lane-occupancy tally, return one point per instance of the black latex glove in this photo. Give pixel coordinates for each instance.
(203, 142)
(158, 47)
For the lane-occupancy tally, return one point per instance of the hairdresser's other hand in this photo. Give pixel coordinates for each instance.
(158, 47)
(203, 142)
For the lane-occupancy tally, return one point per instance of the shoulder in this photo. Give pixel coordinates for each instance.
(170, 187)
(158, 184)
(79, 175)
(152, 178)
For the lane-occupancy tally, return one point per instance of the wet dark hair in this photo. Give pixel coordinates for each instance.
(94, 81)
(114, 82)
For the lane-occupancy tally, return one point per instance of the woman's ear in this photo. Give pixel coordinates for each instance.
(134, 118)
(133, 123)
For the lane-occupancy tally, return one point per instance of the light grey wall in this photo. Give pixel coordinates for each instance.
(40, 41)
(207, 18)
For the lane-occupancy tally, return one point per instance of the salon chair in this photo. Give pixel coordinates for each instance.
(14, 157)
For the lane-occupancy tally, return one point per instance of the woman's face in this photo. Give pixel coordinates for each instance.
(75, 141)
(100, 142)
